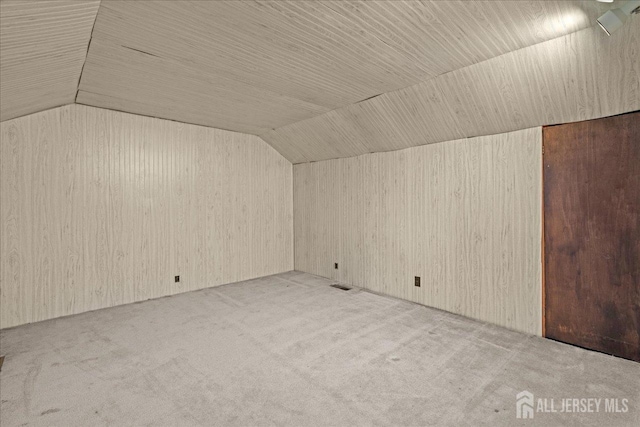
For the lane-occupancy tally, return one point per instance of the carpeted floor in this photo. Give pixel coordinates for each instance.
(291, 350)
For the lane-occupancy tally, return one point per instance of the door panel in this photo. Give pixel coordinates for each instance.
(592, 234)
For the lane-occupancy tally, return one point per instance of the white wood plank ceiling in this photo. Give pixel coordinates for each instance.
(300, 73)
(580, 76)
(43, 45)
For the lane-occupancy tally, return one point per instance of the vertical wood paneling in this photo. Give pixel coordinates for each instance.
(463, 215)
(101, 208)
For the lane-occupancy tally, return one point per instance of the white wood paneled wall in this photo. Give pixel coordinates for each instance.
(101, 208)
(463, 215)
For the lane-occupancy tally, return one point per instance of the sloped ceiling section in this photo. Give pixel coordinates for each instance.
(576, 77)
(323, 79)
(256, 66)
(43, 45)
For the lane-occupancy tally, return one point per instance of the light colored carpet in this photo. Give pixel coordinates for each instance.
(290, 350)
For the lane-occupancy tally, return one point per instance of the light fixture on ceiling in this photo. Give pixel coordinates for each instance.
(614, 18)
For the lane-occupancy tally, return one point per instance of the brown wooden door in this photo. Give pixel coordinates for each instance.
(592, 234)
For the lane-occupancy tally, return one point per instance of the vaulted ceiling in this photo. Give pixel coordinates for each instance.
(322, 79)
(580, 76)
